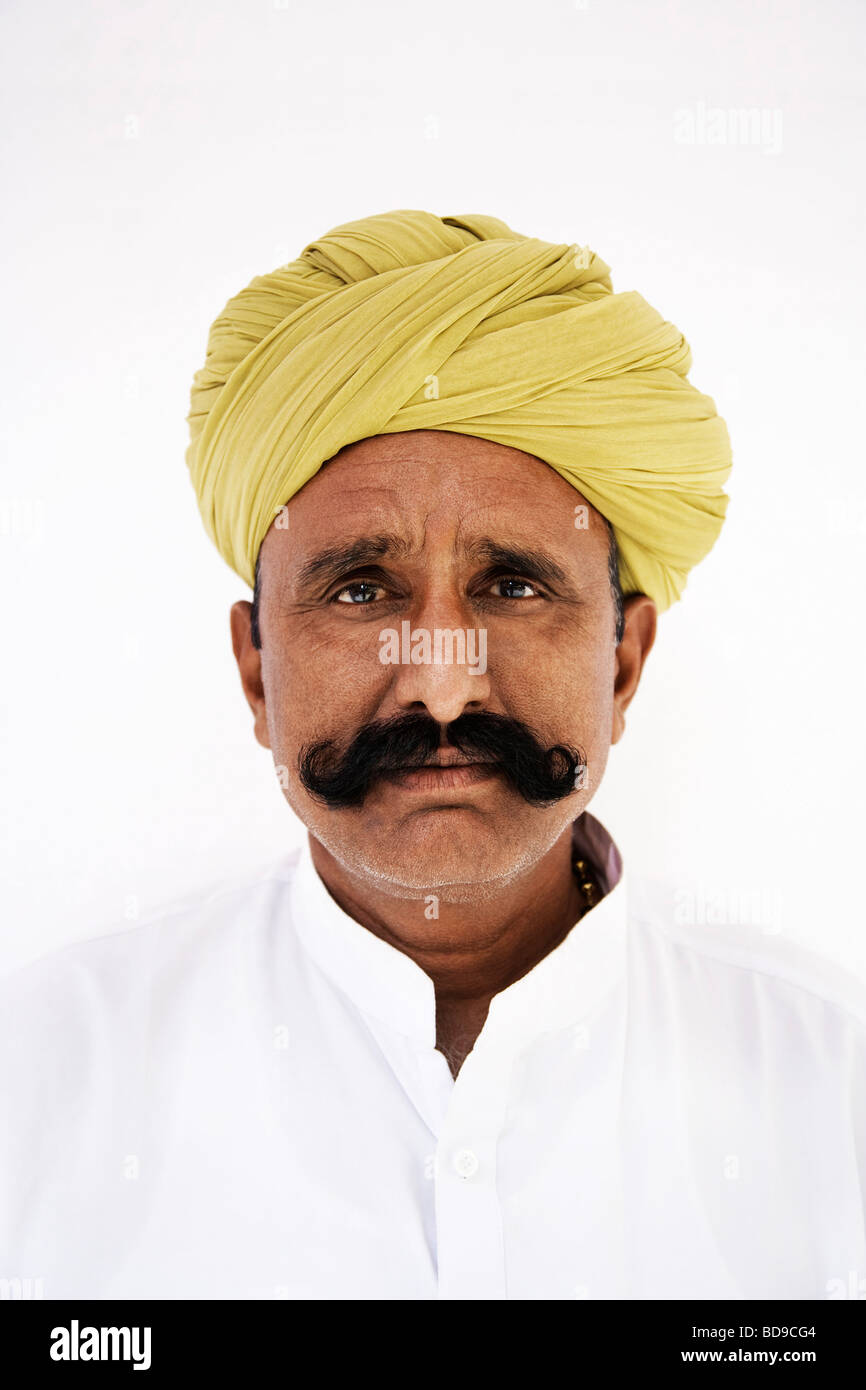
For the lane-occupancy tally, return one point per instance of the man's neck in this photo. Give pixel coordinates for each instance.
(471, 951)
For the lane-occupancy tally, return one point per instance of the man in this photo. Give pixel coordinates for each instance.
(448, 1049)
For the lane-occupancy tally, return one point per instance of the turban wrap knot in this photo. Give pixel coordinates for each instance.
(408, 321)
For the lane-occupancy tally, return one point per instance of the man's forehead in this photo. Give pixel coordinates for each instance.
(400, 510)
(395, 497)
(382, 523)
(411, 497)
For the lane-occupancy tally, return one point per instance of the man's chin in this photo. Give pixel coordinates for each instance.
(455, 851)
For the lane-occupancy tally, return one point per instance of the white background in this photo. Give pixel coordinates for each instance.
(158, 156)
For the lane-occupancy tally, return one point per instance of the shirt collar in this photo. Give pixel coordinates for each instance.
(377, 977)
(564, 987)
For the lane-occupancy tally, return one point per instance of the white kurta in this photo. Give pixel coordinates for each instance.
(243, 1099)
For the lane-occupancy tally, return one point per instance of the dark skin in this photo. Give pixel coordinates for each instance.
(442, 508)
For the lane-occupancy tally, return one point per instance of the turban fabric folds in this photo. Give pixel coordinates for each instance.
(408, 321)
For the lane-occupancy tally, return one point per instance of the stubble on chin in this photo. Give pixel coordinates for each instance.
(475, 865)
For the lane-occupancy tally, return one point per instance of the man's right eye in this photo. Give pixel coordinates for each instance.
(362, 591)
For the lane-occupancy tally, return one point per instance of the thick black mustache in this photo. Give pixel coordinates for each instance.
(540, 775)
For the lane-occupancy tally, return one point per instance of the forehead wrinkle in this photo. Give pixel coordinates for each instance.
(526, 521)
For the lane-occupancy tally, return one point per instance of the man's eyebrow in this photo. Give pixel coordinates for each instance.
(336, 560)
(535, 564)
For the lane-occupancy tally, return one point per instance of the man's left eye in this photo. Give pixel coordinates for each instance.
(515, 588)
(362, 591)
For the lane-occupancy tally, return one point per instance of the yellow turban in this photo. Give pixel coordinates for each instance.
(408, 321)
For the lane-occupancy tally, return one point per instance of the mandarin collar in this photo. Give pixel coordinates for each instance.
(564, 987)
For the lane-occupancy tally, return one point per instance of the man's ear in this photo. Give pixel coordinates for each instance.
(640, 615)
(249, 660)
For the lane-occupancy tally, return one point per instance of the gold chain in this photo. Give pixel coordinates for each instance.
(588, 886)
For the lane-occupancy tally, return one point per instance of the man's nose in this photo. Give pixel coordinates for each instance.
(448, 676)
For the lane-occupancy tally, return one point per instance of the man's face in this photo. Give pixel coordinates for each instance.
(449, 535)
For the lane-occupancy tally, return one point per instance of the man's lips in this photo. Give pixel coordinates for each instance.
(444, 774)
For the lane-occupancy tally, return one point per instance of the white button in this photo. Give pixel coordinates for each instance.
(465, 1163)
